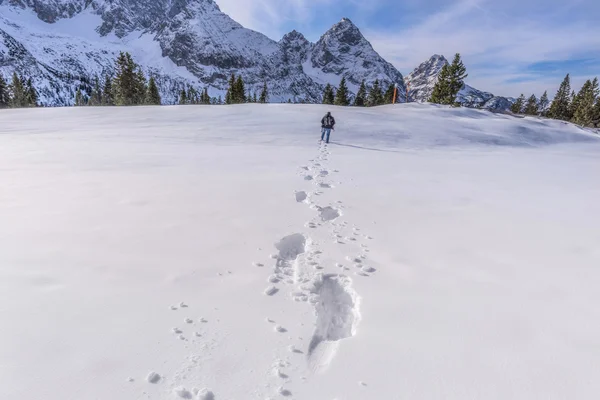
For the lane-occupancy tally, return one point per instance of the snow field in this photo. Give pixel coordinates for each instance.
(160, 253)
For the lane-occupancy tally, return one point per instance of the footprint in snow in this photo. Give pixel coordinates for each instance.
(301, 196)
(153, 377)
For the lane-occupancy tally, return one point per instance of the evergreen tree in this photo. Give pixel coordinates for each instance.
(183, 97)
(575, 100)
(192, 95)
(141, 88)
(375, 95)
(328, 96)
(18, 95)
(450, 82)
(441, 89)
(531, 108)
(389, 94)
(239, 95)
(341, 97)
(596, 113)
(107, 92)
(31, 94)
(4, 93)
(129, 84)
(458, 73)
(204, 97)
(152, 95)
(543, 105)
(264, 95)
(96, 95)
(124, 81)
(80, 98)
(559, 109)
(583, 114)
(517, 106)
(254, 98)
(361, 95)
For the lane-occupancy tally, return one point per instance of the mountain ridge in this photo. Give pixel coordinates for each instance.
(63, 44)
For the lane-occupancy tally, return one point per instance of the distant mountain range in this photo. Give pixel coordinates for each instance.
(62, 44)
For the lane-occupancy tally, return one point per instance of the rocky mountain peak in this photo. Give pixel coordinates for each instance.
(422, 80)
(293, 36)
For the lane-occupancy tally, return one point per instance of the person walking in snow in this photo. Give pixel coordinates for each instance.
(327, 124)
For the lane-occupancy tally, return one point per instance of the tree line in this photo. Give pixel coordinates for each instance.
(19, 93)
(129, 86)
(374, 97)
(236, 92)
(582, 108)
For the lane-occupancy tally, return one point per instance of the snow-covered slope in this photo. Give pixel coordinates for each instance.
(422, 80)
(428, 253)
(62, 44)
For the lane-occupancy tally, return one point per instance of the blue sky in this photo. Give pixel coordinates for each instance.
(508, 46)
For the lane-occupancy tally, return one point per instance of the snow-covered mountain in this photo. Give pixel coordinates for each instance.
(63, 44)
(421, 81)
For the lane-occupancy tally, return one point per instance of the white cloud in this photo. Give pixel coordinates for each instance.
(498, 48)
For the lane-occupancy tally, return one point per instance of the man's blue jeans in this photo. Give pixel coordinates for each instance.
(325, 131)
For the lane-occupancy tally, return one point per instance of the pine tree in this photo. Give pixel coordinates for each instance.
(107, 92)
(517, 106)
(583, 113)
(18, 96)
(205, 98)
(239, 91)
(596, 114)
(361, 95)
(124, 81)
(80, 99)
(129, 84)
(450, 82)
(4, 93)
(192, 95)
(458, 73)
(559, 109)
(183, 97)
(341, 97)
(152, 95)
(375, 95)
(543, 104)
(328, 96)
(141, 88)
(264, 95)
(441, 89)
(254, 98)
(31, 96)
(531, 108)
(96, 94)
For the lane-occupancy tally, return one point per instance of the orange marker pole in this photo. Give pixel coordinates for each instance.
(395, 93)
